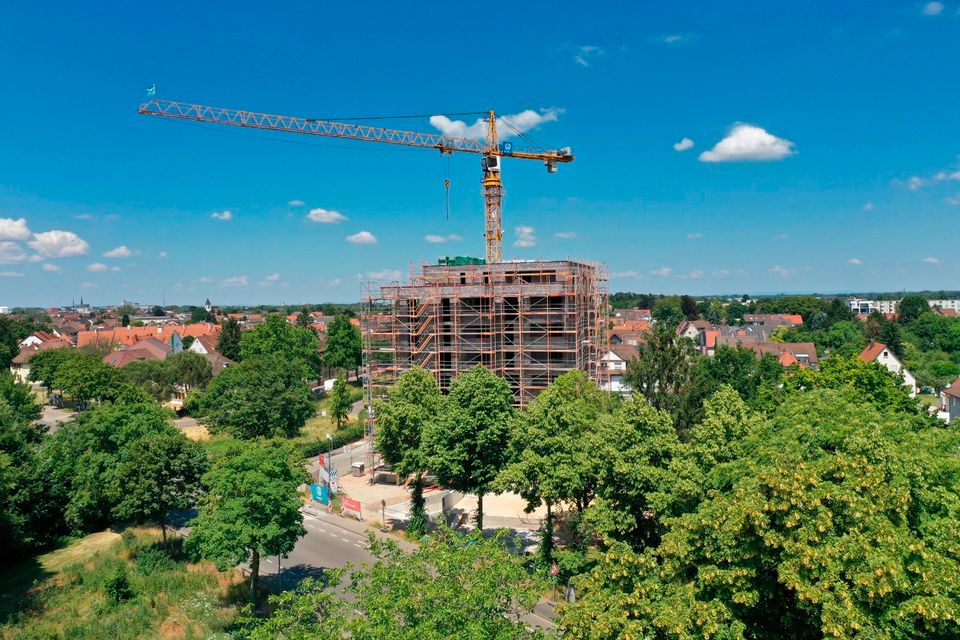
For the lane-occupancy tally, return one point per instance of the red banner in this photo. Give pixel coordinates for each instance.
(351, 506)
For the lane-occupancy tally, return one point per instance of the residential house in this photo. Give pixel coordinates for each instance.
(880, 353)
(950, 401)
(38, 337)
(217, 362)
(945, 304)
(20, 364)
(146, 349)
(773, 320)
(802, 354)
(126, 336)
(205, 344)
(632, 315)
(613, 367)
(623, 336)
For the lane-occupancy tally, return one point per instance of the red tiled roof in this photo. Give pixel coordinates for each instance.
(633, 325)
(148, 349)
(710, 338)
(133, 335)
(954, 389)
(873, 351)
(26, 353)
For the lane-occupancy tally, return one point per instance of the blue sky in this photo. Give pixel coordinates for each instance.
(825, 146)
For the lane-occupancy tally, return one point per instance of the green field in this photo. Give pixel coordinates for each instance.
(73, 592)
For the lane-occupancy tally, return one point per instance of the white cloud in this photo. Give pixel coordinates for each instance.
(683, 145)
(206, 279)
(387, 275)
(273, 277)
(855, 261)
(97, 267)
(120, 252)
(14, 229)
(35, 258)
(224, 216)
(87, 285)
(748, 142)
(663, 272)
(932, 9)
(931, 260)
(626, 274)
(783, 272)
(946, 175)
(50, 267)
(695, 274)
(325, 216)
(85, 216)
(162, 254)
(333, 282)
(694, 236)
(915, 183)
(954, 200)
(236, 281)
(783, 236)
(585, 53)
(565, 235)
(435, 239)
(507, 126)
(59, 244)
(11, 253)
(868, 206)
(525, 238)
(362, 237)
(295, 203)
(11, 274)
(114, 268)
(721, 273)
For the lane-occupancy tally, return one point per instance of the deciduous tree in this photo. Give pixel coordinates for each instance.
(401, 423)
(467, 443)
(340, 401)
(228, 345)
(251, 508)
(344, 348)
(277, 338)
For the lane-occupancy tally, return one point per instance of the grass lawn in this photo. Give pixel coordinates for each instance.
(929, 399)
(65, 593)
(319, 425)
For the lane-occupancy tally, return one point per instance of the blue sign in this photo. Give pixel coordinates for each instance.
(320, 493)
(506, 147)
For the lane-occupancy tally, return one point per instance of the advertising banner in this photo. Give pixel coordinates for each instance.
(351, 507)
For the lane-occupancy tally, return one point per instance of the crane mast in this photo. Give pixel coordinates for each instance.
(490, 149)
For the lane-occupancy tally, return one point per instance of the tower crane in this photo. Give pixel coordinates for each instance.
(491, 149)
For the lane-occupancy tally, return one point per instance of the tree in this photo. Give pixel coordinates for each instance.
(871, 380)
(262, 397)
(19, 399)
(911, 308)
(890, 336)
(251, 508)
(661, 370)
(157, 311)
(304, 319)
(554, 458)
(755, 380)
(668, 311)
(465, 587)
(734, 312)
(156, 474)
(467, 443)
(188, 369)
(200, 314)
(277, 338)
(125, 320)
(401, 423)
(838, 311)
(44, 365)
(340, 401)
(688, 307)
(344, 348)
(229, 343)
(153, 376)
(86, 377)
(835, 519)
(80, 460)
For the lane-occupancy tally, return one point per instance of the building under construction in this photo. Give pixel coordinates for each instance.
(528, 322)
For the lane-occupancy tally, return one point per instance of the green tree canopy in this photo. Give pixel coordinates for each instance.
(467, 443)
(465, 587)
(401, 424)
(661, 371)
(340, 401)
(911, 308)
(228, 345)
(156, 474)
(251, 508)
(344, 348)
(277, 338)
(260, 397)
(838, 522)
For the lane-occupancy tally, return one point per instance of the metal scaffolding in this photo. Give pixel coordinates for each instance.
(528, 322)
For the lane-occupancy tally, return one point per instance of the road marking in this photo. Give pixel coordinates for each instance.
(344, 539)
(312, 526)
(358, 546)
(321, 529)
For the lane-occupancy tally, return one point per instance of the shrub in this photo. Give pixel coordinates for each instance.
(152, 560)
(118, 586)
(340, 438)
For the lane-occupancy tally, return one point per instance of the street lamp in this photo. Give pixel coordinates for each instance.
(329, 454)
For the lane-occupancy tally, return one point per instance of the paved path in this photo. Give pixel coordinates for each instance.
(53, 416)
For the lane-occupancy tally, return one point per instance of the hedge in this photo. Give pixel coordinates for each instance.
(343, 437)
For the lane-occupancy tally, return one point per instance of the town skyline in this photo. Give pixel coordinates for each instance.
(829, 164)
